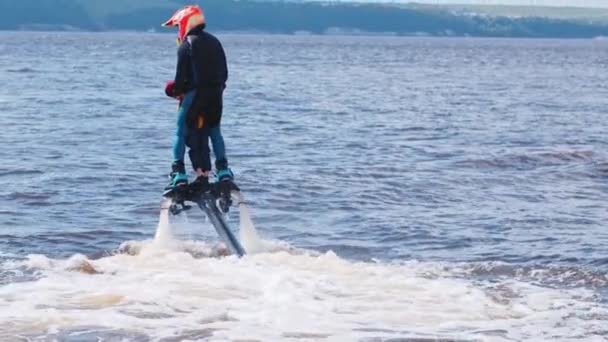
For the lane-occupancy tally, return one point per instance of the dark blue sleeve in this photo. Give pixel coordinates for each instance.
(224, 64)
(183, 72)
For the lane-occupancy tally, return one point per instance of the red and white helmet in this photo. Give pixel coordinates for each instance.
(186, 18)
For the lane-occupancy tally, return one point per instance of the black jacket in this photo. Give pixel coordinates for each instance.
(201, 66)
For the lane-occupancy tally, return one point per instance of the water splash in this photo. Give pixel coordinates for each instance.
(275, 296)
(248, 234)
(164, 235)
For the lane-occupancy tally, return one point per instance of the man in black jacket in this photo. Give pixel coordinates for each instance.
(199, 83)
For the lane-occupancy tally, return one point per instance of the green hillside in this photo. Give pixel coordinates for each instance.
(564, 13)
(314, 17)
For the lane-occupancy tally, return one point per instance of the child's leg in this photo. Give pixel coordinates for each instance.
(178, 170)
(179, 144)
(219, 148)
(223, 172)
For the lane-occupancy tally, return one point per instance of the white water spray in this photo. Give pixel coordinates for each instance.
(163, 236)
(248, 234)
(249, 238)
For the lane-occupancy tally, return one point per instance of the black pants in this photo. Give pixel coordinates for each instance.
(206, 105)
(197, 139)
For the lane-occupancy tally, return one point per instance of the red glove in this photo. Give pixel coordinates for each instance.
(169, 88)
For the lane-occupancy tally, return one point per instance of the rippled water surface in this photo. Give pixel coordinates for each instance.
(403, 188)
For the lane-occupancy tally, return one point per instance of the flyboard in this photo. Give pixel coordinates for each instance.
(214, 201)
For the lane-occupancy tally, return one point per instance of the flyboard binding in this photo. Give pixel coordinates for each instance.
(214, 201)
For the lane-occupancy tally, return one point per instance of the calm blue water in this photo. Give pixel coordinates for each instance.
(489, 156)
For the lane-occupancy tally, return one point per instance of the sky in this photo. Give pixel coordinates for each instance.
(572, 3)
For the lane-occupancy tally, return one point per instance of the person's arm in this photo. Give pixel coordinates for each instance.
(225, 64)
(184, 70)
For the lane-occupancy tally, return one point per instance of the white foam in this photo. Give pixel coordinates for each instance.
(169, 288)
(272, 296)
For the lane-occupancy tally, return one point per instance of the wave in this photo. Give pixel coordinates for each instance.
(24, 70)
(167, 289)
(147, 290)
(532, 160)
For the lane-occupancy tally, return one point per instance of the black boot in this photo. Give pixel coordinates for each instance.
(225, 185)
(178, 175)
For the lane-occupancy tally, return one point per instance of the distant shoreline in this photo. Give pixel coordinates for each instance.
(311, 18)
(305, 34)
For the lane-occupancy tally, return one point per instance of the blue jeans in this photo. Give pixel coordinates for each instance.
(179, 141)
(219, 148)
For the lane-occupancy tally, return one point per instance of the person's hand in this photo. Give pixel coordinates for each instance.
(169, 88)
